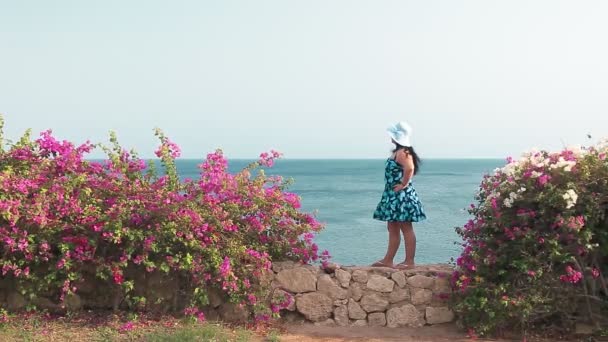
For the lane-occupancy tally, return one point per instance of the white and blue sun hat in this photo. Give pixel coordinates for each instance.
(401, 132)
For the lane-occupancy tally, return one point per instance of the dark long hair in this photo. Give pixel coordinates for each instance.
(410, 150)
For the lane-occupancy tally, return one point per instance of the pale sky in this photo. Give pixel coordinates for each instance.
(313, 79)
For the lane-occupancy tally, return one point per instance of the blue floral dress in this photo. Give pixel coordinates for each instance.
(401, 206)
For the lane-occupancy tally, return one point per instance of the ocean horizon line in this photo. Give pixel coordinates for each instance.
(323, 159)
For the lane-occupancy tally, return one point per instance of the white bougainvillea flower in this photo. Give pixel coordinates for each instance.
(577, 150)
(570, 196)
(567, 165)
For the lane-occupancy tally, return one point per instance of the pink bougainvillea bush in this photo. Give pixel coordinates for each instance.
(63, 217)
(536, 251)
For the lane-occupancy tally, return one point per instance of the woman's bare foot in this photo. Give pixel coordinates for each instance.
(382, 263)
(406, 265)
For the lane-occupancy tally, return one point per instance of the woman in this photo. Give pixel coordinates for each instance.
(399, 205)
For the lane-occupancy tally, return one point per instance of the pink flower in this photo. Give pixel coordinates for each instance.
(576, 223)
(231, 228)
(571, 276)
(254, 253)
(262, 318)
(9, 242)
(560, 222)
(472, 334)
(117, 275)
(267, 159)
(191, 311)
(494, 203)
(127, 327)
(292, 199)
(148, 242)
(543, 179)
(225, 267)
(595, 273)
(531, 273)
(44, 247)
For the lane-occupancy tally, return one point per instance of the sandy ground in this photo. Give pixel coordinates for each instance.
(310, 332)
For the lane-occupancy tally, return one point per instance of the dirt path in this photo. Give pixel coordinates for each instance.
(436, 333)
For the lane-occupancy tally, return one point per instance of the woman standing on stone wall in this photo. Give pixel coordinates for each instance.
(400, 205)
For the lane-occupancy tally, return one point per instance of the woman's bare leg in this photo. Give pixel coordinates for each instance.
(394, 240)
(410, 242)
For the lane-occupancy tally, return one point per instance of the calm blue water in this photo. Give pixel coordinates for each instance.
(344, 194)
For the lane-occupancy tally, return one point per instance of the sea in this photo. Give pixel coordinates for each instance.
(343, 194)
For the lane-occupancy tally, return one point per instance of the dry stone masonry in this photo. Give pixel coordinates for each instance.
(335, 295)
(366, 296)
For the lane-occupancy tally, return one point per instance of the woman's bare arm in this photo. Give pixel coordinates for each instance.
(407, 162)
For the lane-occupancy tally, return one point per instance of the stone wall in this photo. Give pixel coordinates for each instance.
(356, 296)
(361, 296)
